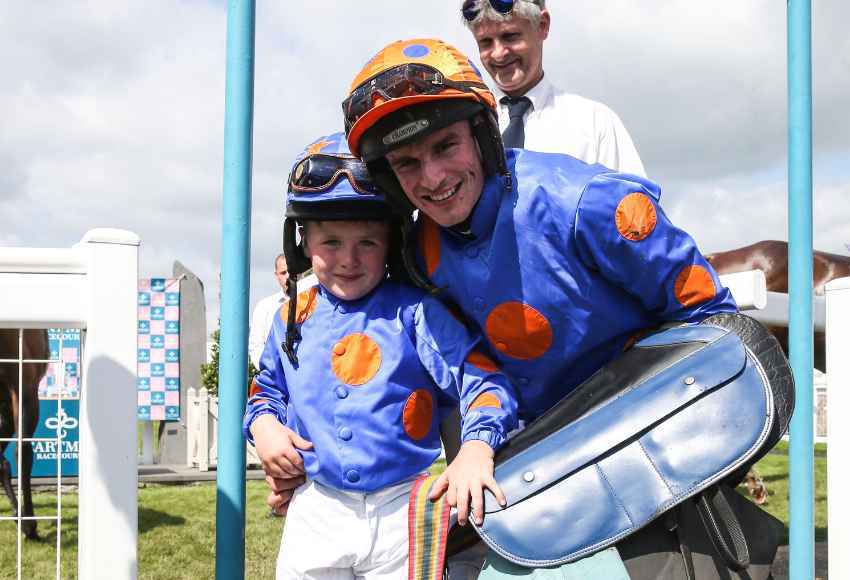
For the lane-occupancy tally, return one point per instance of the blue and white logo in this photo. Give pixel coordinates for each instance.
(61, 424)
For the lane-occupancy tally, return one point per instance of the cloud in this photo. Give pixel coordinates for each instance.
(112, 112)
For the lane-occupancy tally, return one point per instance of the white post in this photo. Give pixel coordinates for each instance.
(203, 416)
(748, 288)
(108, 516)
(838, 429)
(191, 427)
(147, 443)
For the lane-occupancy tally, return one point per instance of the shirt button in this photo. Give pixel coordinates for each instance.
(352, 476)
(501, 346)
(523, 380)
(345, 434)
(339, 349)
(341, 392)
(472, 252)
(478, 303)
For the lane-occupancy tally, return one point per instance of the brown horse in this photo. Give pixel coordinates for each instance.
(771, 257)
(35, 347)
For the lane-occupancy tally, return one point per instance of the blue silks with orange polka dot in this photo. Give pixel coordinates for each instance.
(562, 272)
(375, 377)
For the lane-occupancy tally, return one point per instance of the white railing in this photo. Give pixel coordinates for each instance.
(91, 286)
(202, 431)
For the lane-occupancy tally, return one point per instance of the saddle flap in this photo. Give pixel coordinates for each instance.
(687, 408)
(635, 409)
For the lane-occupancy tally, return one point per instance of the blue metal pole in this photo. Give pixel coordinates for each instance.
(235, 253)
(802, 554)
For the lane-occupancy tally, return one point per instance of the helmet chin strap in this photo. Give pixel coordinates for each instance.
(293, 334)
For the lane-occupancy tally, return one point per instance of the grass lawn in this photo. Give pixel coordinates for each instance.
(177, 527)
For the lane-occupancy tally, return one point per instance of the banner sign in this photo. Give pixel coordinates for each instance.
(58, 411)
(158, 367)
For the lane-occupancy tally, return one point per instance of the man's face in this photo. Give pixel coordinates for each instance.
(512, 52)
(442, 173)
(280, 273)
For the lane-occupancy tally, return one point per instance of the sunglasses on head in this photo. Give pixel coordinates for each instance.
(471, 8)
(319, 172)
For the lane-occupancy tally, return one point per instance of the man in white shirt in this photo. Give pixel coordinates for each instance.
(264, 312)
(550, 120)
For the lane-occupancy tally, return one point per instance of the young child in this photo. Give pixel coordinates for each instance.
(354, 379)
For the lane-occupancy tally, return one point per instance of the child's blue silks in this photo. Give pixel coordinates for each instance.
(604, 565)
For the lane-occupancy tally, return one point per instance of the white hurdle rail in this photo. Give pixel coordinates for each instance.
(831, 315)
(91, 286)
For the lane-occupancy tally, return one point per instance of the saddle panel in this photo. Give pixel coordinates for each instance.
(631, 409)
(624, 460)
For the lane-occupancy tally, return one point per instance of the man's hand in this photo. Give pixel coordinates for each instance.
(280, 494)
(277, 446)
(465, 479)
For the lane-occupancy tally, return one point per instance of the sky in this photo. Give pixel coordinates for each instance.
(111, 112)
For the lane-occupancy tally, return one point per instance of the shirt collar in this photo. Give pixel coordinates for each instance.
(349, 304)
(486, 211)
(540, 94)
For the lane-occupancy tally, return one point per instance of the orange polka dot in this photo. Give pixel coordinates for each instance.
(429, 244)
(635, 216)
(694, 286)
(304, 306)
(417, 414)
(356, 359)
(518, 330)
(486, 400)
(482, 362)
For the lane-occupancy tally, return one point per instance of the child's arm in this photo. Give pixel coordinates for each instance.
(488, 405)
(276, 445)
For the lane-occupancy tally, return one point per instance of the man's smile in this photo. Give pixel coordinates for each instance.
(439, 197)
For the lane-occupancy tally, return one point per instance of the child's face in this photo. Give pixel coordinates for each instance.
(349, 258)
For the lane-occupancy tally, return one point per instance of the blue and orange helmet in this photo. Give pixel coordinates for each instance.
(410, 89)
(328, 183)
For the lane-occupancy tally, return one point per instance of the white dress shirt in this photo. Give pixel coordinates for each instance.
(261, 324)
(560, 122)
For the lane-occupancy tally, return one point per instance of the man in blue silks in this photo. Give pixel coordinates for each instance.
(561, 265)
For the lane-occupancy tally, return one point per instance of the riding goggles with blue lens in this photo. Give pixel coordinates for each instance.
(471, 8)
(319, 172)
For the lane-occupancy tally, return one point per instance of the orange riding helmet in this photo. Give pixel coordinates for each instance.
(410, 89)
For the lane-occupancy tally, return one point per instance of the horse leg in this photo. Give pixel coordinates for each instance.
(7, 429)
(6, 478)
(28, 427)
(28, 526)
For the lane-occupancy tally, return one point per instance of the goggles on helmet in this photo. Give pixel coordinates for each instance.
(471, 8)
(319, 172)
(410, 79)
